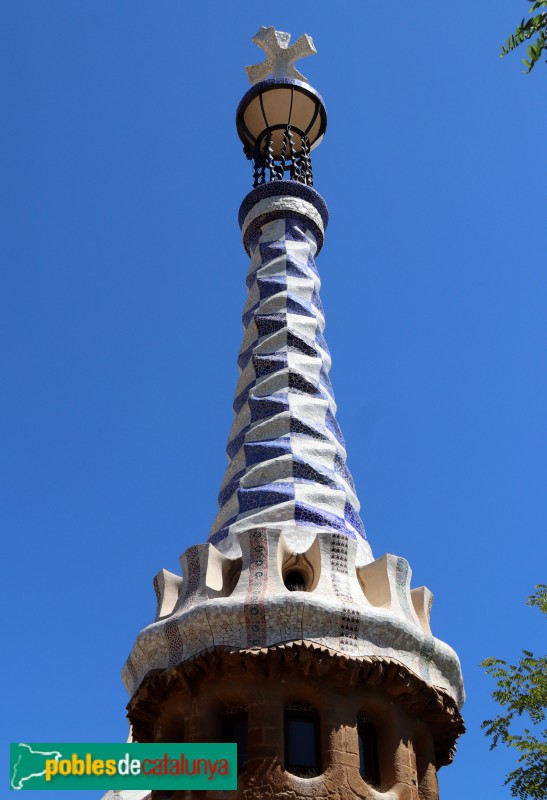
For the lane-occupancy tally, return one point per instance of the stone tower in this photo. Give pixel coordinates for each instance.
(283, 632)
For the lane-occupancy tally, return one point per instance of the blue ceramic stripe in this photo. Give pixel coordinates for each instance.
(289, 450)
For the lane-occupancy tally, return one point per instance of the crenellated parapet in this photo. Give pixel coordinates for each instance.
(247, 602)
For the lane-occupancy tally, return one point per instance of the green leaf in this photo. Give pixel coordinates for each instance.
(521, 689)
(526, 30)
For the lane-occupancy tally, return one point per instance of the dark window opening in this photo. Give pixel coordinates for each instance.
(302, 743)
(368, 752)
(295, 581)
(235, 728)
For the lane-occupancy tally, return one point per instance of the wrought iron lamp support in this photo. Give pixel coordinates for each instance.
(288, 163)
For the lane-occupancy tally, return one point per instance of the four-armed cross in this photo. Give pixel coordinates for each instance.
(280, 57)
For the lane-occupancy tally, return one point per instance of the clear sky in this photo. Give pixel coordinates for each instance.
(122, 290)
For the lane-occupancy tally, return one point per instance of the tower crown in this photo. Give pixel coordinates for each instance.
(282, 118)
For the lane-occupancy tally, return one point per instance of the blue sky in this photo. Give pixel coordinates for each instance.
(123, 284)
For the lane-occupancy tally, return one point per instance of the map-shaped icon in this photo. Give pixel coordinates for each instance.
(30, 764)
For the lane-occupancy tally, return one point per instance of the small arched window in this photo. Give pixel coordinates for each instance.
(369, 766)
(235, 728)
(295, 581)
(302, 742)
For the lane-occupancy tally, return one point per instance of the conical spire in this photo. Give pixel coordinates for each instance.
(287, 456)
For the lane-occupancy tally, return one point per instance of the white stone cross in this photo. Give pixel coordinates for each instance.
(280, 57)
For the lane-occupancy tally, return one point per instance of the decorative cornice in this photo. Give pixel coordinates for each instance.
(317, 662)
(240, 601)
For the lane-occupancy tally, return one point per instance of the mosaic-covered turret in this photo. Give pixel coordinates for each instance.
(287, 457)
(284, 617)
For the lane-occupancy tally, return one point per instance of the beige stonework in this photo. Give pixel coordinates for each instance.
(416, 725)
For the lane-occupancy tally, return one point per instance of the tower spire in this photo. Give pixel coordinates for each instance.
(286, 453)
(287, 456)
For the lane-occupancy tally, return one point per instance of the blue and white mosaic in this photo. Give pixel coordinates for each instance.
(287, 456)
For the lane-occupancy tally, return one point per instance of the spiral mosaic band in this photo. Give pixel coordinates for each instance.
(287, 458)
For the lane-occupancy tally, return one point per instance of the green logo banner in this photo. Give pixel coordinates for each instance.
(123, 766)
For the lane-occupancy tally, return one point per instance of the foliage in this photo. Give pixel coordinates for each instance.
(522, 689)
(535, 25)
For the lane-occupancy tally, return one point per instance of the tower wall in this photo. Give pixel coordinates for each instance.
(415, 728)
